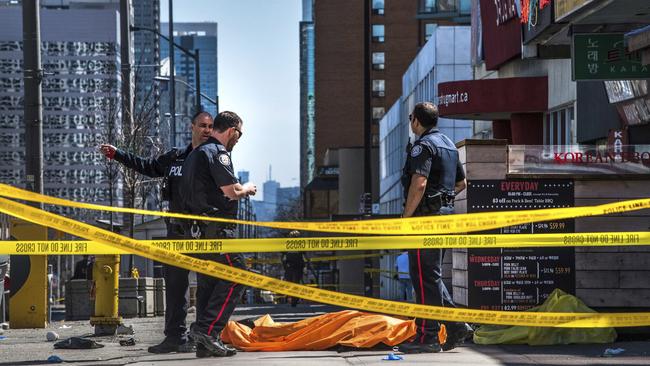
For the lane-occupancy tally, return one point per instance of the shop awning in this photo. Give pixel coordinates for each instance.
(492, 99)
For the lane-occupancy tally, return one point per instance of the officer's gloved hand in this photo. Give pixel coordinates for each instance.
(108, 150)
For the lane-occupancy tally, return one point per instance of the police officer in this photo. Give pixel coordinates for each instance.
(294, 265)
(211, 188)
(169, 166)
(432, 177)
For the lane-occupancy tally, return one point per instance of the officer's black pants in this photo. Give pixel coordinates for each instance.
(425, 269)
(176, 295)
(216, 298)
(293, 275)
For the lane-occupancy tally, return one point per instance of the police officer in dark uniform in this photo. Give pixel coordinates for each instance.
(294, 265)
(210, 188)
(433, 175)
(169, 167)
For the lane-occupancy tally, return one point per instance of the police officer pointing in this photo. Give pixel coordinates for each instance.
(433, 175)
(169, 166)
(211, 188)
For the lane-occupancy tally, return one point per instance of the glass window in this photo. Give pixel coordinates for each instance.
(378, 33)
(466, 7)
(379, 88)
(378, 112)
(378, 60)
(378, 7)
(559, 127)
(428, 30)
(435, 6)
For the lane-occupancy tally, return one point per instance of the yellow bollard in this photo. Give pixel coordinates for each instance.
(28, 301)
(105, 274)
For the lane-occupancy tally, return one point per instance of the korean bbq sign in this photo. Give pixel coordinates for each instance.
(605, 57)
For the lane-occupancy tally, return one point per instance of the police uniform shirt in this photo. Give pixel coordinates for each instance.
(435, 157)
(206, 170)
(167, 165)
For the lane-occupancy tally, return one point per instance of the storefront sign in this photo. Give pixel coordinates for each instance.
(542, 21)
(518, 279)
(605, 57)
(506, 10)
(501, 32)
(566, 7)
(492, 98)
(635, 112)
(583, 160)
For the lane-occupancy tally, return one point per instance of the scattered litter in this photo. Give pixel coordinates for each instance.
(191, 310)
(54, 359)
(65, 327)
(51, 336)
(125, 330)
(2, 337)
(392, 357)
(1, 331)
(77, 343)
(127, 342)
(4, 326)
(613, 352)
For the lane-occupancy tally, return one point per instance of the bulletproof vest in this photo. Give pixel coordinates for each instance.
(442, 176)
(172, 181)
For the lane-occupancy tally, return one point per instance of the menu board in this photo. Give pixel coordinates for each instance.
(519, 278)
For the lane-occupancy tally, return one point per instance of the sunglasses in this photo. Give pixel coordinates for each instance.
(238, 130)
(411, 118)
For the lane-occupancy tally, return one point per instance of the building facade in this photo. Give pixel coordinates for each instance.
(445, 57)
(396, 32)
(307, 96)
(202, 37)
(81, 56)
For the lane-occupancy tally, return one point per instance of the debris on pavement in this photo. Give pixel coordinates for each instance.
(51, 336)
(65, 327)
(125, 330)
(392, 357)
(4, 326)
(54, 359)
(613, 352)
(127, 342)
(77, 343)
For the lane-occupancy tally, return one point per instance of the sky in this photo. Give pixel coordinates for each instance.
(259, 79)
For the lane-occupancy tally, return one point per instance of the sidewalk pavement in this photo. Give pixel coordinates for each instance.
(30, 347)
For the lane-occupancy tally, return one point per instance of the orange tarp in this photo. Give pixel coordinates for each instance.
(345, 328)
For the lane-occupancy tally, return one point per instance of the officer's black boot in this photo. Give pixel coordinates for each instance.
(208, 346)
(457, 335)
(173, 344)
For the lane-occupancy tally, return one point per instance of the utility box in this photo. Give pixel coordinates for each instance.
(78, 303)
(146, 291)
(159, 296)
(129, 300)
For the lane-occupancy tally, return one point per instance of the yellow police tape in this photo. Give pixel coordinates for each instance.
(338, 244)
(446, 224)
(568, 320)
(315, 259)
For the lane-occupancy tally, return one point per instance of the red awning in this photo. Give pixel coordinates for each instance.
(492, 99)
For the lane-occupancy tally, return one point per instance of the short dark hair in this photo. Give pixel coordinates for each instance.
(199, 114)
(226, 120)
(426, 113)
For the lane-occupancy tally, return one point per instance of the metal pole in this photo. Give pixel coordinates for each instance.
(367, 129)
(172, 77)
(125, 62)
(33, 107)
(197, 80)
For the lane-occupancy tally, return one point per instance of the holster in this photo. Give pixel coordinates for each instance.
(432, 203)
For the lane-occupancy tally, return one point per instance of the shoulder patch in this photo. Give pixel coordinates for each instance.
(224, 159)
(416, 150)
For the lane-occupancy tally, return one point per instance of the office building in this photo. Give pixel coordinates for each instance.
(196, 36)
(80, 55)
